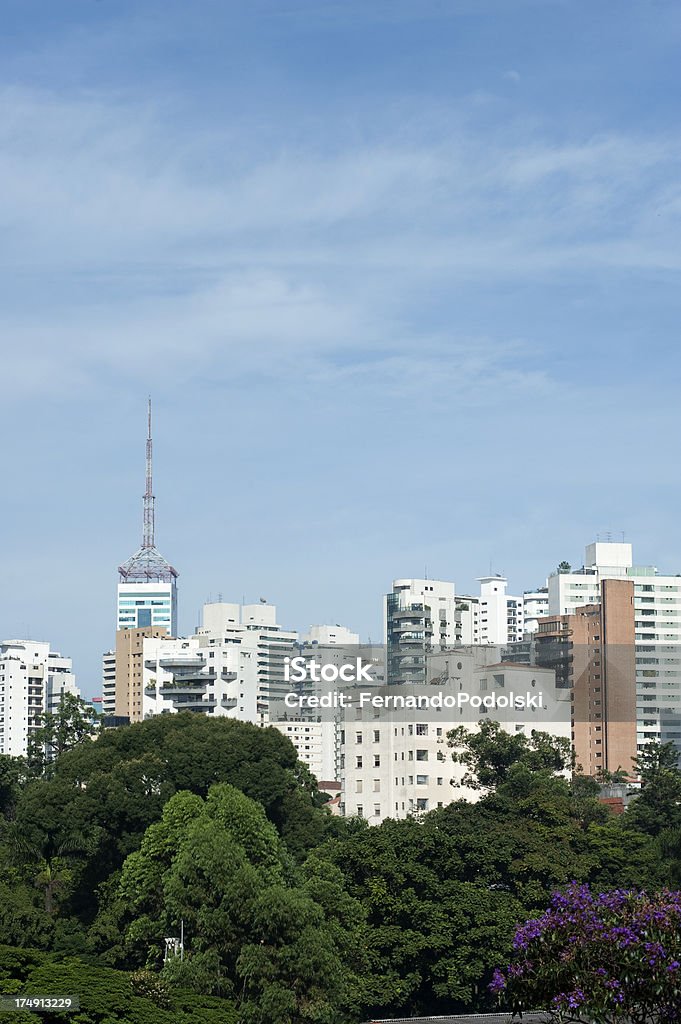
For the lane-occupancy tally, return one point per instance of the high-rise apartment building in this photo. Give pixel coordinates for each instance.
(593, 652)
(129, 671)
(535, 607)
(32, 681)
(657, 631)
(233, 665)
(500, 615)
(109, 684)
(419, 616)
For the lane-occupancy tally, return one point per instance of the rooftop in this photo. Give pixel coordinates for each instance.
(147, 566)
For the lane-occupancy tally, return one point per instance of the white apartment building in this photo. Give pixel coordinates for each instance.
(233, 665)
(316, 731)
(418, 616)
(535, 606)
(32, 681)
(315, 742)
(109, 683)
(500, 615)
(330, 636)
(467, 615)
(397, 763)
(657, 624)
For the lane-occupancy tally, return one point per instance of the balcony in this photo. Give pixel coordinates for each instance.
(406, 624)
(400, 613)
(229, 703)
(228, 675)
(188, 687)
(195, 704)
(182, 661)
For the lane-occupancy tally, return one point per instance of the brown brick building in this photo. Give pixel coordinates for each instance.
(129, 649)
(593, 652)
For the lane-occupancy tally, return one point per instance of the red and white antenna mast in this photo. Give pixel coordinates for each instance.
(148, 533)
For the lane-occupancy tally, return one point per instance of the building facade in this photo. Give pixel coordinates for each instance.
(500, 615)
(593, 652)
(535, 607)
(419, 616)
(397, 763)
(33, 679)
(129, 671)
(109, 683)
(233, 665)
(657, 631)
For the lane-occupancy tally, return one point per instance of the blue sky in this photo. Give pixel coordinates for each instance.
(402, 277)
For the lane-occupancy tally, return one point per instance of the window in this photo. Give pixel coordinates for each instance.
(358, 786)
(377, 735)
(377, 810)
(360, 811)
(358, 737)
(421, 729)
(377, 760)
(377, 785)
(358, 761)
(421, 780)
(421, 755)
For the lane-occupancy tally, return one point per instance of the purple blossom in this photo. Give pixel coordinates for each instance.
(498, 982)
(608, 953)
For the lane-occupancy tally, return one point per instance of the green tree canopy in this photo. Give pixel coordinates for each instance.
(490, 753)
(74, 720)
(218, 868)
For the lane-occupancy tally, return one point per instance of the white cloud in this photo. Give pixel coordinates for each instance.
(127, 250)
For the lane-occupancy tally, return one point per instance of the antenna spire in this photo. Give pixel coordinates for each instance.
(148, 564)
(148, 532)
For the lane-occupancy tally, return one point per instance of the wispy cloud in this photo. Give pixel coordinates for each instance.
(299, 249)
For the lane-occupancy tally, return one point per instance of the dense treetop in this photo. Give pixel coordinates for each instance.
(291, 915)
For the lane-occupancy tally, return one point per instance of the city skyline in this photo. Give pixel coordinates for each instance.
(399, 278)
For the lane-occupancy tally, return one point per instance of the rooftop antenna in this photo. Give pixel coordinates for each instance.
(148, 534)
(148, 564)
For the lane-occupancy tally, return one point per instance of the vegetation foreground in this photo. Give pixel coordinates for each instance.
(291, 915)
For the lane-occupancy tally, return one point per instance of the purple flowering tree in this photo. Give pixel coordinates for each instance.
(599, 958)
